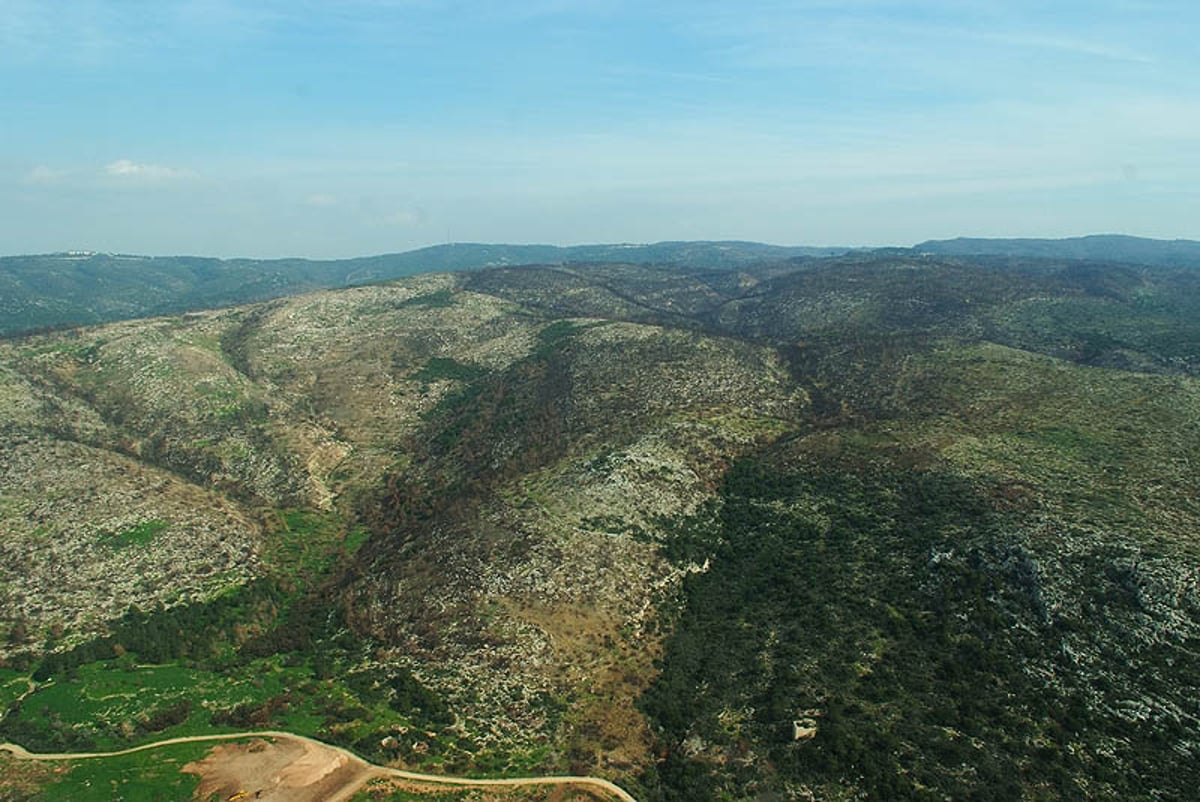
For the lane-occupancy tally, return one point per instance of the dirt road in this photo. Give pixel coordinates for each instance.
(297, 767)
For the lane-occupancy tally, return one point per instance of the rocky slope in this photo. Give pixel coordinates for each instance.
(654, 522)
(47, 291)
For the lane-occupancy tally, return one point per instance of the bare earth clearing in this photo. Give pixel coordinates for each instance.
(283, 769)
(281, 766)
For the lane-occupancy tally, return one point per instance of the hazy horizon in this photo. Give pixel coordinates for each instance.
(380, 126)
(565, 246)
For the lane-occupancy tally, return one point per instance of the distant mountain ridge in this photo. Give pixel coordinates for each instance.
(73, 288)
(1095, 247)
(886, 525)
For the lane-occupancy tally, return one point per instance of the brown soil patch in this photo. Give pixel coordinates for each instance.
(24, 779)
(385, 789)
(608, 734)
(570, 793)
(389, 789)
(279, 770)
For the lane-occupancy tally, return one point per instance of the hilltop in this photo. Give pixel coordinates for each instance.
(887, 524)
(1097, 247)
(74, 288)
(83, 287)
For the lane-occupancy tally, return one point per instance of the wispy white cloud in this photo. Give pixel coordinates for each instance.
(415, 216)
(126, 169)
(741, 118)
(74, 33)
(630, 71)
(1072, 45)
(969, 47)
(43, 175)
(100, 33)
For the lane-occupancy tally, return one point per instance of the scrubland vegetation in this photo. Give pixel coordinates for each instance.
(886, 525)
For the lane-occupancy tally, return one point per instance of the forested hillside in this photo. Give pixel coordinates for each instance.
(80, 287)
(879, 525)
(1108, 248)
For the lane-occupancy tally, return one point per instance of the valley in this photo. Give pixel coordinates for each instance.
(882, 524)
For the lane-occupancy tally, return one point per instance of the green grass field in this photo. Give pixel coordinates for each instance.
(115, 704)
(12, 685)
(150, 776)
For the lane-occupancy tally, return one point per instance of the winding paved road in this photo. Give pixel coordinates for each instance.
(376, 771)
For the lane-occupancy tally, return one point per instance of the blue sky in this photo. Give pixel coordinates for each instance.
(366, 126)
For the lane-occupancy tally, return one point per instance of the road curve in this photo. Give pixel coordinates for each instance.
(620, 793)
